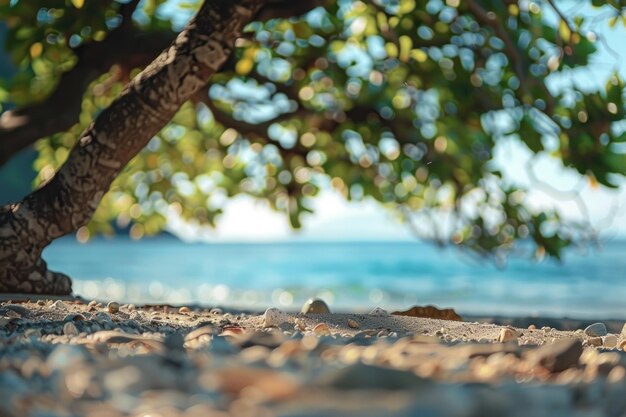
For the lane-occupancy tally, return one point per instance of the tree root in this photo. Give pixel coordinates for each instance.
(39, 280)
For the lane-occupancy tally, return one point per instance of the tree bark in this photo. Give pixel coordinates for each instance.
(149, 101)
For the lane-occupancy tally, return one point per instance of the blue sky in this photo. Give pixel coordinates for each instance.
(336, 219)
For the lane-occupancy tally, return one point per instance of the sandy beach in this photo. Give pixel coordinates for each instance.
(79, 358)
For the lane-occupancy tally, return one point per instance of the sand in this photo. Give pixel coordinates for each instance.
(74, 358)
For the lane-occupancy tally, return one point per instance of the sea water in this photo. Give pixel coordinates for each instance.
(349, 276)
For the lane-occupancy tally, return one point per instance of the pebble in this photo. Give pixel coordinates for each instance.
(92, 303)
(315, 306)
(63, 356)
(102, 317)
(299, 325)
(270, 340)
(174, 342)
(609, 341)
(184, 309)
(74, 317)
(507, 335)
(353, 324)
(273, 317)
(59, 305)
(206, 330)
(370, 377)
(69, 329)
(560, 355)
(113, 307)
(321, 329)
(16, 308)
(379, 312)
(364, 334)
(594, 341)
(596, 330)
(41, 302)
(33, 333)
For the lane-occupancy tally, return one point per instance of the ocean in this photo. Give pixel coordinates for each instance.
(349, 276)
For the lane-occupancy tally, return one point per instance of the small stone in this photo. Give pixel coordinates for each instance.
(299, 325)
(232, 331)
(274, 317)
(69, 329)
(315, 306)
(174, 342)
(63, 356)
(596, 330)
(113, 307)
(16, 308)
(268, 384)
(92, 303)
(379, 312)
(507, 335)
(33, 333)
(102, 317)
(360, 376)
(74, 317)
(59, 305)
(353, 324)
(41, 302)
(364, 334)
(270, 340)
(203, 330)
(532, 327)
(321, 329)
(609, 341)
(559, 356)
(594, 341)
(184, 309)
(216, 311)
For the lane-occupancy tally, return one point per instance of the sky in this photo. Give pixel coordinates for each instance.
(334, 218)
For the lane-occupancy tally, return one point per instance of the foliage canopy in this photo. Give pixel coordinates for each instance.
(402, 101)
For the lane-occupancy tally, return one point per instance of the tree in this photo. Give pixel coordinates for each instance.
(402, 101)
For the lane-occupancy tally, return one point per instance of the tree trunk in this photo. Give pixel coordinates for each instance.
(149, 101)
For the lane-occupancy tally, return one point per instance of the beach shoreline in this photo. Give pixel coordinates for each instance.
(563, 322)
(75, 357)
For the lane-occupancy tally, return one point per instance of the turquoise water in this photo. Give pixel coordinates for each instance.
(349, 276)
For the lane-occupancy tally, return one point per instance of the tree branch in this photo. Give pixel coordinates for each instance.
(20, 128)
(283, 9)
(256, 131)
(485, 18)
(125, 47)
